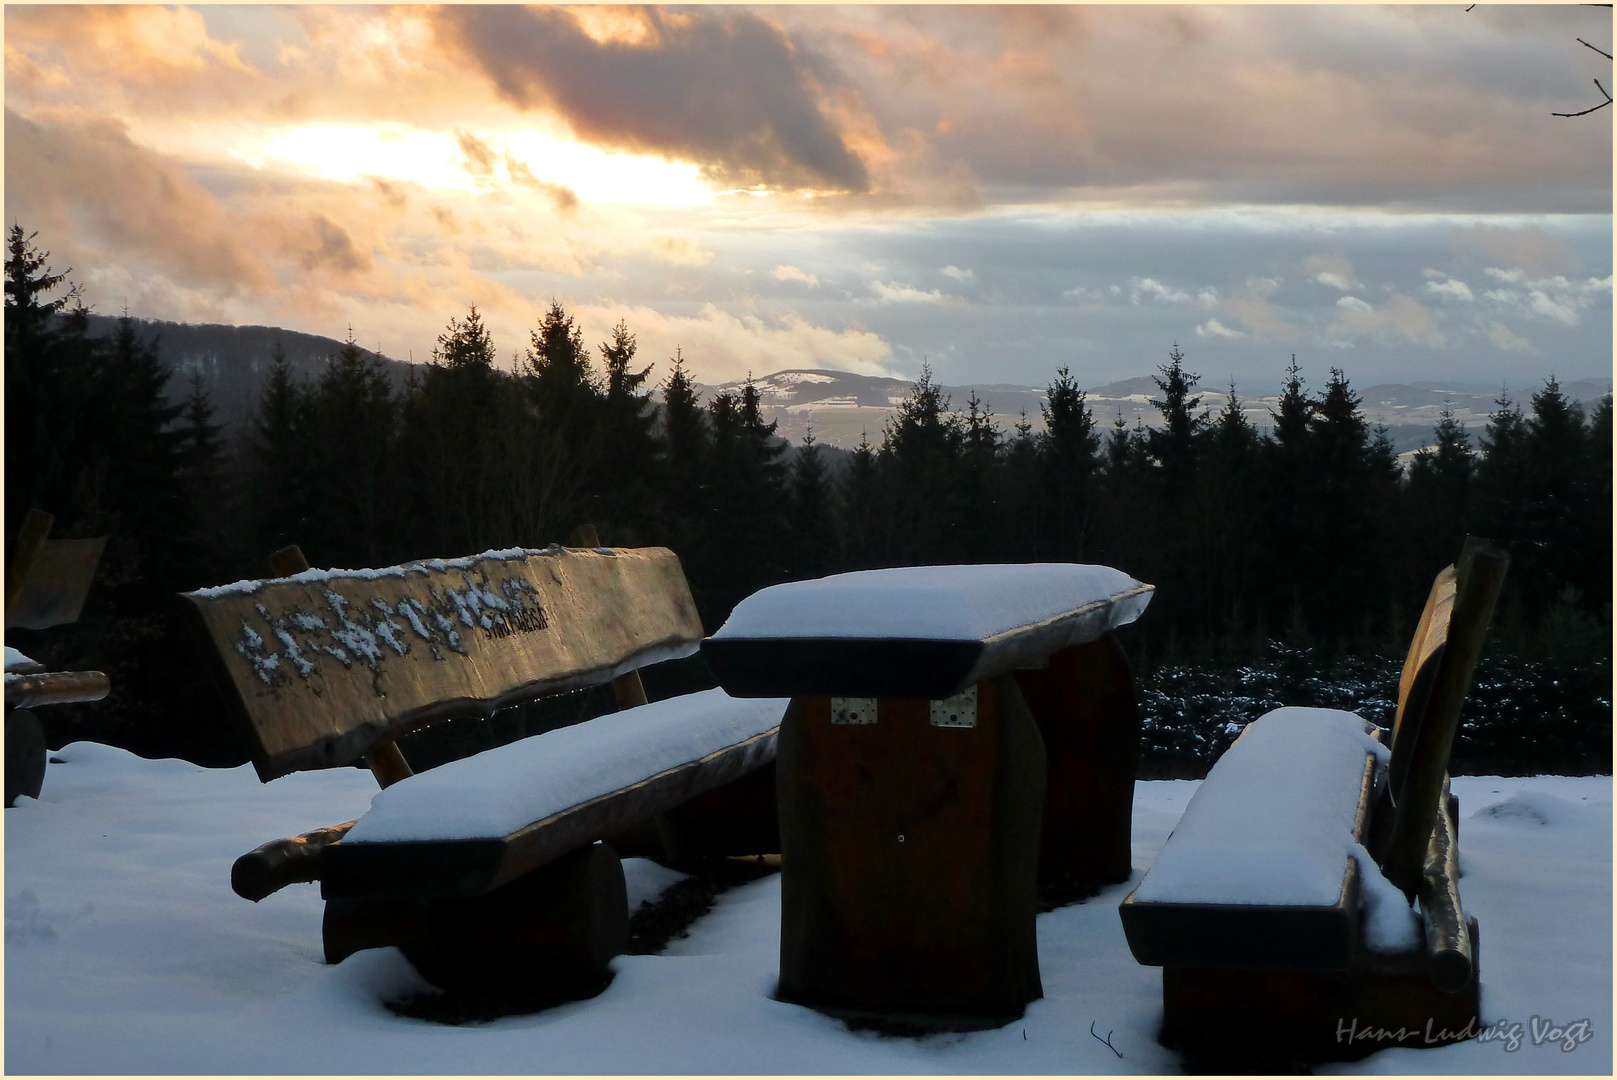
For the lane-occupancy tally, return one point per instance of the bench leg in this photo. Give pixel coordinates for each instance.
(909, 857)
(25, 755)
(559, 926)
(1084, 704)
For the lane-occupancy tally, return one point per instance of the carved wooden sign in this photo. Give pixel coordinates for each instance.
(324, 663)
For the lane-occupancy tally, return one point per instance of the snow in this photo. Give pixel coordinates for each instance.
(16, 659)
(314, 576)
(499, 791)
(958, 603)
(126, 952)
(1273, 821)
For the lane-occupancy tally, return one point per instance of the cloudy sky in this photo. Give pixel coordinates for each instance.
(996, 190)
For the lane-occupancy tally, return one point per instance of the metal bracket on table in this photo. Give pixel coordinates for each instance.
(959, 711)
(853, 710)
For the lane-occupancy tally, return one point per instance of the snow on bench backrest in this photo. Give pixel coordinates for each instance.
(1274, 821)
(508, 788)
(325, 662)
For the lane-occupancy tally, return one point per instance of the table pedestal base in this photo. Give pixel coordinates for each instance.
(909, 858)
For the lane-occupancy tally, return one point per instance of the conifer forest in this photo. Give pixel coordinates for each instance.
(1291, 560)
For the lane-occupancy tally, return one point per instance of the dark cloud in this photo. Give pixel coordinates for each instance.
(334, 248)
(723, 87)
(92, 184)
(1403, 108)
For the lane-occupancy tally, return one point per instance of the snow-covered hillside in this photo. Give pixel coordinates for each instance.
(126, 951)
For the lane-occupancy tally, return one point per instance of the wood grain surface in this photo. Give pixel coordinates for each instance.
(322, 669)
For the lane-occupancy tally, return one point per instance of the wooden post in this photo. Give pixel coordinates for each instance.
(1084, 704)
(1448, 945)
(385, 759)
(1480, 573)
(36, 526)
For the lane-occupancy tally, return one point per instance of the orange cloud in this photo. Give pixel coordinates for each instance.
(57, 179)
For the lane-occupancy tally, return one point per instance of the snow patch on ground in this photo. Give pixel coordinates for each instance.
(128, 953)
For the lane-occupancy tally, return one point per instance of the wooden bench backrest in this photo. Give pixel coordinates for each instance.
(1436, 677)
(1420, 670)
(323, 666)
(48, 580)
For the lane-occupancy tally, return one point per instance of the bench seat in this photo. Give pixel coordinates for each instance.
(469, 826)
(1267, 865)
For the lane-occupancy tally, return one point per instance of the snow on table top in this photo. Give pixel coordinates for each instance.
(510, 787)
(959, 603)
(1273, 821)
(15, 658)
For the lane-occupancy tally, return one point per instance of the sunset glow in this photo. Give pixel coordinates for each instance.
(992, 191)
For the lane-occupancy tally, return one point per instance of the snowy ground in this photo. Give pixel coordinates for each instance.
(126, 951)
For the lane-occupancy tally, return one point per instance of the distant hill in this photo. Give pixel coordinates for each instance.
(232, 360)
(839, 406)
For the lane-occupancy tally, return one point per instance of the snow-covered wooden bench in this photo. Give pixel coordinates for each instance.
(46, 585)
(939, 715)
(1279, 908)
(485, 869)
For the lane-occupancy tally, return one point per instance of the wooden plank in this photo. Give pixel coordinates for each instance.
(1258, 1021)
(36, 526)
(931, 668)
(909, 858)
(1480, 574)
(1084, 704)
(1420, 669)
(398, 869)
(1449, 956)
(1292, 937)
(58, 579)
(55, 688)
(321, 669)
(383, 757)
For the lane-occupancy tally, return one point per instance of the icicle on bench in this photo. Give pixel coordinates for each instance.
(46, 585)
(485, 870)
(938, 715)
(1279, 907)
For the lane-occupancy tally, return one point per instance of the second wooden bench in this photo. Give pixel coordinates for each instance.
(484, 870)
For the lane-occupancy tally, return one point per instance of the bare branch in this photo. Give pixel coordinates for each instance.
(1597, 108)
(1601, 51)
(1107, 1040)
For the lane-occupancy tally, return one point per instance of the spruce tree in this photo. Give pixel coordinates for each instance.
(1439, 493)
(813, 512)
(279, 461)
(864, 514)
(355, 425)
(921, 454)
(980, 498)
(1173, 446)
(565, 422)
(1068, 462)
(629, 448)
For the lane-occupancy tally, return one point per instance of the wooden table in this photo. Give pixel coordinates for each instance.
(958, 738)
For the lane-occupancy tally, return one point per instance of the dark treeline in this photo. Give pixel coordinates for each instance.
(1307, 533)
